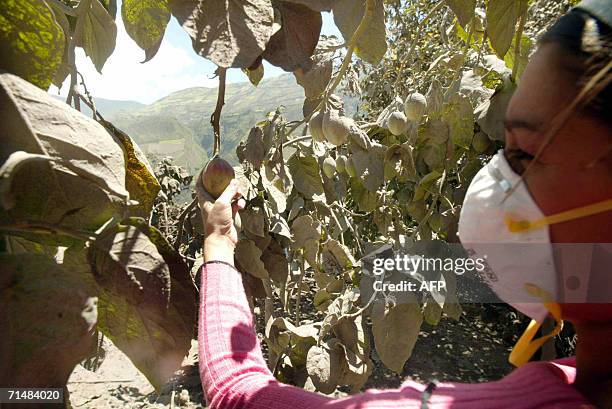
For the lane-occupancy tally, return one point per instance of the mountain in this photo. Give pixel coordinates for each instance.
(178, 125)
(245, 105)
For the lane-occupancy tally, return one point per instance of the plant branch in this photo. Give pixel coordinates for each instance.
(298, 297)
(367, 15)
(80, 11)
(215, 118)
(181, 222)
(416, 38)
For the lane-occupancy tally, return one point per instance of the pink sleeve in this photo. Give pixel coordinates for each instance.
(232, 368)
(234, 373)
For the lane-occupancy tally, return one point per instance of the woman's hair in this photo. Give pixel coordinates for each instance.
(588, 41)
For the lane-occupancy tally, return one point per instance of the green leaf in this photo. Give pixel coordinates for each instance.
(145, 22)
(291, 46)
(502, 16)
(306, 176)
(396, 329)
(99, 34)
(372, 44)
(523, 58)
(255, 73)
(140, 179)
(463, 9)
(31, 41)
(234, 42)
(48, 316)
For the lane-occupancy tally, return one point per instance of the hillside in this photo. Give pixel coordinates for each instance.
(179, 124)
(245, 105)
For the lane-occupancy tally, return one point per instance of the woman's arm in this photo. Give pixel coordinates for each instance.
(235, 375)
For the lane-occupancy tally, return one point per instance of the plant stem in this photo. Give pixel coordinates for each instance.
(215, 118)
(298, 297)
(181, 222)
(80, 12)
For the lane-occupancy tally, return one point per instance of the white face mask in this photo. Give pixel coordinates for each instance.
(482, 229)
(502, 223)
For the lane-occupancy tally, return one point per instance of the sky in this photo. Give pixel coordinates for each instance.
(175, 67)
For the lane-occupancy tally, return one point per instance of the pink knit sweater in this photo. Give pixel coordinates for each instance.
(235, 375)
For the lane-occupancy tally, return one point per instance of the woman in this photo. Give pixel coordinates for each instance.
(559, 152)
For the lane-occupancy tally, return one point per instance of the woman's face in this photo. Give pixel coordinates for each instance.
(575, 169)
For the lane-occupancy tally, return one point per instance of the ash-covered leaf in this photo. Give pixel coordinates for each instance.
(124, 260)
(248, 258)
(291, 47)
(255, 72)
(459, 115)
(304, 229)
(490, 114)
(148, 300)
(369, 166)
(315, 80)
(230, 33)
(316, 5)
(396, 329)
(502, 16)
(463, 9)
(324, 366)
(305, 173)
(31, 41)
(48, 315)
(145, 22)
(85, 184)
(372, 44)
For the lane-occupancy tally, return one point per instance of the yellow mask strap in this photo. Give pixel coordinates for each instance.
(526, 346)
(518, 226)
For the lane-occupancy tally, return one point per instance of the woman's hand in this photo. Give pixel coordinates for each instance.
(220, 234)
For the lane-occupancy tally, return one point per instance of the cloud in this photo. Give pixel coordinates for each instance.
(124, 77)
